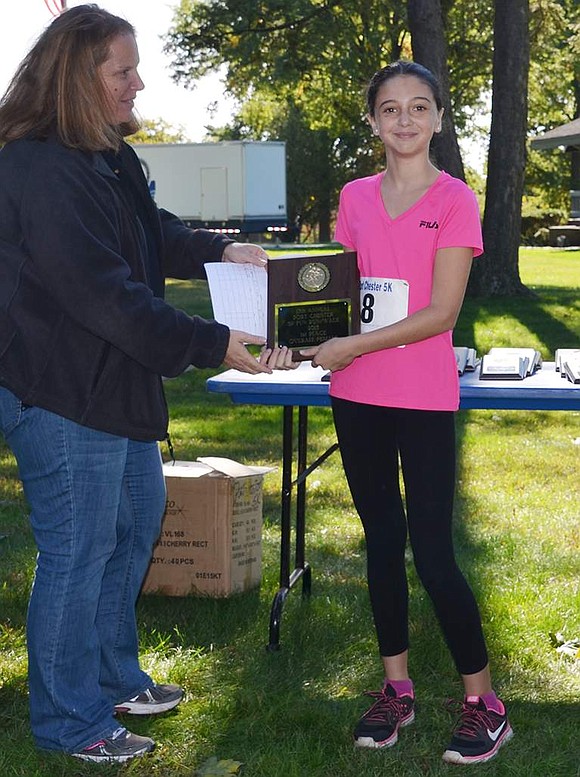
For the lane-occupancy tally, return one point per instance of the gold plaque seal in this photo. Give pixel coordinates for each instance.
(313, 276)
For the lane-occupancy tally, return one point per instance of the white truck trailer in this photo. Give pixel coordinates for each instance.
(235, 187)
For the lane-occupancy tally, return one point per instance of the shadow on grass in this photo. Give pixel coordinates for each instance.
(534, 314)
(291, 712)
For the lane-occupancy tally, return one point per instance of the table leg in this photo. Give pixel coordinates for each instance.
(302, 569)
(286, 503)
(300, 562)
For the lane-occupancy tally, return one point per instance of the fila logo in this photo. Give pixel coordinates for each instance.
(493, 735)
(429, 224)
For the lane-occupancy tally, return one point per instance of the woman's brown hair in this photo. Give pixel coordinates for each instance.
(58, 88)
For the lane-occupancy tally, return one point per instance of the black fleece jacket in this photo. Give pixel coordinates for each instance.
(82, 334)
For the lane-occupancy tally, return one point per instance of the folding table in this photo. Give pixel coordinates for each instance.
(307, 387)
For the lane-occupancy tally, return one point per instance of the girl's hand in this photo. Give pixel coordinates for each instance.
(245, 253)
(333, 355)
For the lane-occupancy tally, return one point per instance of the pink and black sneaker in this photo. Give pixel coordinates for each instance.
(479, 733)
(380, 724)
(121, 746)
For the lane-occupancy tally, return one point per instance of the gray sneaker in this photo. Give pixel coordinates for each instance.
(121, 746)
(151, 701)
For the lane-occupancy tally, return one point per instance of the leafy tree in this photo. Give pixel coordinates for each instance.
(299, 70)
(430, 49)
(554, 97)
(468, 26)
(157, 131)
(554, 30)
(314, 57)
(312, 176)
(319, 56)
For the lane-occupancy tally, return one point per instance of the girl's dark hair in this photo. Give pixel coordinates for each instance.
(402, 67)
(58, 88)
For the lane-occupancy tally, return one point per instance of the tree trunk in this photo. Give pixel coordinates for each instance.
(430, 49)
(324, 233)
(324, 185)
(575, 152)
(496, 273)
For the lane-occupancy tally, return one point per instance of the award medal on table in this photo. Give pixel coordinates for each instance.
(312, 299)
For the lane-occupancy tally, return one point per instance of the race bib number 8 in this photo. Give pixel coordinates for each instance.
(383, 301)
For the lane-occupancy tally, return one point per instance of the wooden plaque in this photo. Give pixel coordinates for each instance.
(312, 299)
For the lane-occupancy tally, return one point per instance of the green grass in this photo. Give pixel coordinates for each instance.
(291, 713)
(549, 321)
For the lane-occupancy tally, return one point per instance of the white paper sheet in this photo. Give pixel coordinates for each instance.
(239, 296)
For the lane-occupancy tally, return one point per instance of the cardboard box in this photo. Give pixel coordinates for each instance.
(211, 536)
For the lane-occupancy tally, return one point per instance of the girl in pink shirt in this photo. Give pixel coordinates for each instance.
(394, 390)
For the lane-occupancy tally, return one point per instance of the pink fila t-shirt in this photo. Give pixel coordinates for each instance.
(395, 259)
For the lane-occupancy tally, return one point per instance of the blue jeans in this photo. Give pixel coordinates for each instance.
(96, 503)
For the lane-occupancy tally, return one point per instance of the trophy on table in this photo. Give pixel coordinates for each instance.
(312, 299)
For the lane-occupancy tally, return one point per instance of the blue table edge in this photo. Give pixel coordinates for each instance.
(475, 394)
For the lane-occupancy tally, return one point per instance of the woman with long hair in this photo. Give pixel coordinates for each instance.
(85, 338)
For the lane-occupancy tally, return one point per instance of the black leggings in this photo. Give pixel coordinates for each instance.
(371, 440)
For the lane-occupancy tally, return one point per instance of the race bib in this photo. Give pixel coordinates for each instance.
(383, 301)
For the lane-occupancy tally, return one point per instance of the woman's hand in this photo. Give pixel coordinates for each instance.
(239, 358)
(245, 253)
(278, 358)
